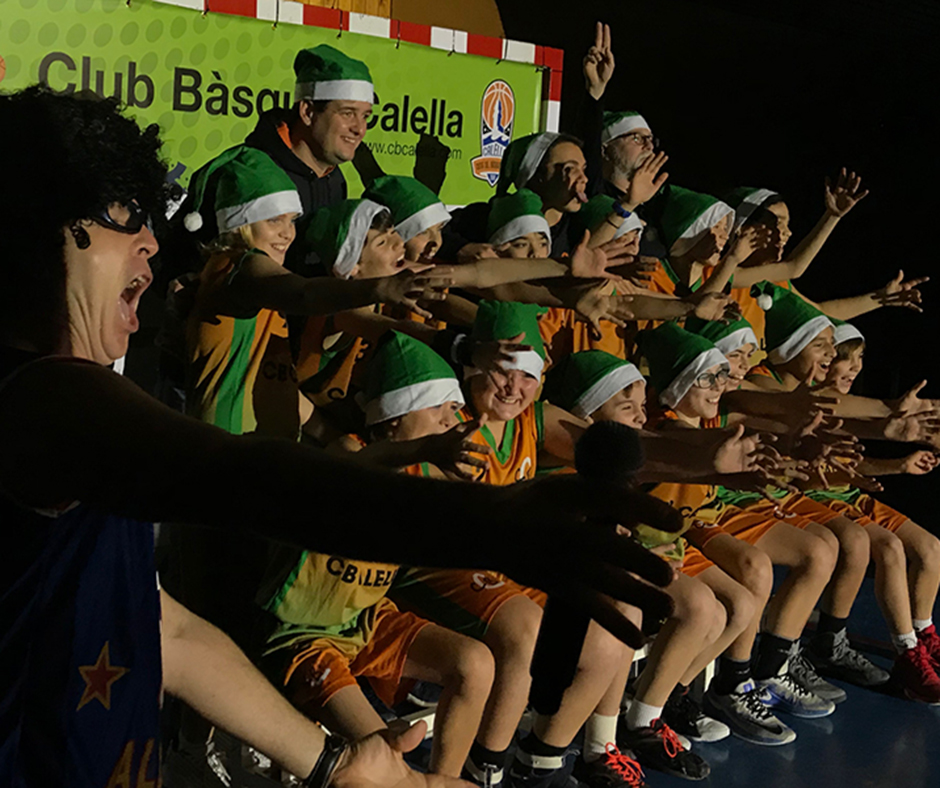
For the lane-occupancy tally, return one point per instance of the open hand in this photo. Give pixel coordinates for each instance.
(647, 180)
(408, 287)
(491, 356)
(900, 293)
(713, 306)
(844, 195)
(453, 451)
(750, 239)
(592, 263)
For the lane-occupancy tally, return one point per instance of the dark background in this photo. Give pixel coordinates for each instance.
(779, 95)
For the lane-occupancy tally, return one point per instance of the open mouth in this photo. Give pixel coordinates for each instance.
(280, 248)
(130, 298)
(508, 400)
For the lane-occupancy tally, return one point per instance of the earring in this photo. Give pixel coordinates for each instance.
(80, 234)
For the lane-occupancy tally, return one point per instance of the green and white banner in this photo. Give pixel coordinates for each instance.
(205, 79)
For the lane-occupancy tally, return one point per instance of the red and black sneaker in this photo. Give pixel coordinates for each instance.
(657, 747)
(614, 769)
(914, 673)
(931, 641)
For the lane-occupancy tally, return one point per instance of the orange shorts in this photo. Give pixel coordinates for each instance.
(812, 510)
(700, 533)
(318, 669)
(463, 600)
(751, 523)
(868, 510)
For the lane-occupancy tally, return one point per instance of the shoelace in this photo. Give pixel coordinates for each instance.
(624, 766)
(689, 709)
(843, 650)
(931, 641)
(921, 660)
(794, 686)
(753, 703)
(800, 665)
(671, 742)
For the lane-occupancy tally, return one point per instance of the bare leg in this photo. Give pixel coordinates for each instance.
(511, 637)
(891, 581)
(854, 554)
(811, 560)
(610, 704)
(349, 714)
(464, 668)
(751, 567)
(601, 658)
(923, 567)
(679, 641)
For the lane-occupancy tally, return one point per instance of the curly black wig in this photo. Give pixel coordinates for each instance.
(63, 158)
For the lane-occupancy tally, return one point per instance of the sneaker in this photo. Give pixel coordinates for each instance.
(614, 769)
(786, 694)
(425, 694)
(657, 747)
(802, 670)
(832, 655)
(931, 641)
(540, 771)
(685, 717)
(748, 717)
(622, 730)
(489, 776)
(914, 673)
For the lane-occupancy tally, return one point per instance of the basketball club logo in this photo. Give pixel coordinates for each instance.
(497, 110)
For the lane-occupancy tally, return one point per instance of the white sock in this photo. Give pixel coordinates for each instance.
(904, 642)
(599, 730)
(920, 624)
(641, 715)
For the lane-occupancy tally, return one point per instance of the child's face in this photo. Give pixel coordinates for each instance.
(740, 361)
(501, 396)
(530, 245)
(562, 179)
(273, 236)
(815, 359)
(702, 399)
(427, 421)
(843, 371)
(708, 249)
(382, 255)
(421, 249)
(627, 406)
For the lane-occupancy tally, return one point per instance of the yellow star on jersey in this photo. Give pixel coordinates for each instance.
(99, 678)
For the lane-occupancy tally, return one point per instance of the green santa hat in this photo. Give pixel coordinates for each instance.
(522, 158)
(687, 216)
(324, 74)
(415, 208)
(745, 200)
(843, 332)
(584, 381)
(676, 358)
(338, 233)
(405, 375)
(248, 187)
(616, 124)
(514, 215)
(791, 322)
(497, 320)
(727, 337)
(595, 212)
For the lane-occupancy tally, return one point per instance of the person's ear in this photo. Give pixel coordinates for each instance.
(354, 272)
(306, 112)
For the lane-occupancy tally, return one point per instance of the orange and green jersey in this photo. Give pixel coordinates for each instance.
(663, 279)
(332, 597)
(403, 313)
(563, 334)
(328, 361)
(516, 457)
(241, 375)
(763, 370)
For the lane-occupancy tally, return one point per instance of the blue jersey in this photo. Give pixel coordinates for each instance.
(80, 669)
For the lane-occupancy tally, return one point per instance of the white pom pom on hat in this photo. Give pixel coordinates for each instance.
(192, 221)
(764, 300)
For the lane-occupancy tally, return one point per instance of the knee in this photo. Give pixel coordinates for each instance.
(512, 634)
(819, 555)
(743, 606)
(854, 544)
(472, 668)
(697, 607)
(927, 550)
(888, 551)
(757, 574)
(721, 619)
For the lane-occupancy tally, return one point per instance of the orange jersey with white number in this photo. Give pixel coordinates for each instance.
(515, 459)
(329, 362)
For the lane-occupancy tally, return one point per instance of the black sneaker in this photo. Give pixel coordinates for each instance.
(614, 769)
(805, 674)
(657, 747)
(686, 718)
(539, 771)
(832, 655)
(745, 712)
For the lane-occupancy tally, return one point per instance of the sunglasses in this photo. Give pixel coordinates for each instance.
(127, 218)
